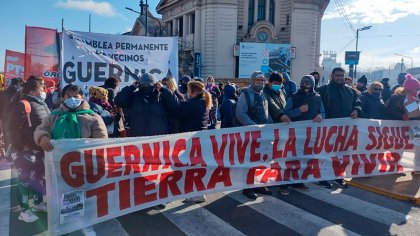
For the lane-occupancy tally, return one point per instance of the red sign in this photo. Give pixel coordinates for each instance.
(41, 53)
(13, 66)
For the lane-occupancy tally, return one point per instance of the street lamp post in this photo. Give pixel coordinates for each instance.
(406, 57)
(357, 44)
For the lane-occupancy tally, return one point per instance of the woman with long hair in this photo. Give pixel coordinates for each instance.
(372, 104)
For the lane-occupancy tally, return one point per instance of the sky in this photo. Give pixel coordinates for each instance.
(395, 25)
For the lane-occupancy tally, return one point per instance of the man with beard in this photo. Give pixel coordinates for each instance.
(339, 101)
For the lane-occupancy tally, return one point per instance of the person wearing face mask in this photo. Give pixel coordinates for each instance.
(339, 101)
(183, 84)
(73, 119)
(276, 97)
(396, 108)
(372, 104)
(26, 113)
(252, 109)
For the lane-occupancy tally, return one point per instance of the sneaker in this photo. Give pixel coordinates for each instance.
(197, 199)
(325, 184)
(284, 192)
(249, 193)
(340, 183)
(40, 207)
(28, 216)
(88, 231)
(263, 190)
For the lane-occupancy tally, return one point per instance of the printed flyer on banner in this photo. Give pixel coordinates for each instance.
(72, 206)
(265, 57)
(120, 176)
(88, 59)
(14, 66)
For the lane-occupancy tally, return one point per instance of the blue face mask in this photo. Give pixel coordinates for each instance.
(277, 87)
(72, 102)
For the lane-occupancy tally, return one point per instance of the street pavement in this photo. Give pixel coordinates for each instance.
(316, 211)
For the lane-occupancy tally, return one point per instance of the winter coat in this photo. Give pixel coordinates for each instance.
(386, 93)
(276, 103)
(228, 107)
(215, 93)
(149, 109)
(373, 107)
(339, 101)
(173, 119)
(193, 115)
(111, 94)
(21, 135)
(91, 125)
(105, 115)
(255, 111)
(314, 102)
(395, 108)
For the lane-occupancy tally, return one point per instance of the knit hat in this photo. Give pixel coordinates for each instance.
(185, 79)
(98, 93)
(307, 80)
(257, 75)
(148, 79)
(362, 79)
(411, 83)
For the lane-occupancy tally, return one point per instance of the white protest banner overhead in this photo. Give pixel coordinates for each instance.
(88, 59)
(91, 181)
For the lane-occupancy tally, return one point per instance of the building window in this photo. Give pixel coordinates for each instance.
(180, 27)
(261, 10)
(251, 12)
(192, 23)
(271, 11)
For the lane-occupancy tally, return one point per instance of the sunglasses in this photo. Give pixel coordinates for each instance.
(377, 89)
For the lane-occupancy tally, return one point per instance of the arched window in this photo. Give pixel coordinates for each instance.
(261, 10)
(251, 12)
(271, 11)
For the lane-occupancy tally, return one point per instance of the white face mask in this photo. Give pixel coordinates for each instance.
(72, 102)
(42, 95)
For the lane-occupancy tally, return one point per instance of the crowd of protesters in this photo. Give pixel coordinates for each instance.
(34, 111)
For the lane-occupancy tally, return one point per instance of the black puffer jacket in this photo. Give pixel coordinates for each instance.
(339, 101)
(21, 134)
(149, 110)
(194, 115)
(373, 107)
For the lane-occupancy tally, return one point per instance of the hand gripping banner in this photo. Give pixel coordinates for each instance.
(91, 181)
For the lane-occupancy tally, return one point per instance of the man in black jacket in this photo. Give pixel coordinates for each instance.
(339, 101)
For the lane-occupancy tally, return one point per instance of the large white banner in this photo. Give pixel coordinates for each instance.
(88, 59)
(90, 181)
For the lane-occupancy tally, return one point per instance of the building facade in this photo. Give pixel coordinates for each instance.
(211, 28)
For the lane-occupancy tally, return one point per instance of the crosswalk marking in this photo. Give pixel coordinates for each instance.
(291, 216)
(369, 210)
(195, 220)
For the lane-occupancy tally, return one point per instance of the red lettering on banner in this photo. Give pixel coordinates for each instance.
(219, 175)
(165, 154)
(380, 138)
(132, 159)
(169, 180)
(406, 138)
(339, 166)
(393, 160)
(352, 140)
(142, 185)
(399, 141)
(277, 153)
(72, 174)
(114, 168)
(180, 146)
(388, 138)
(307, 150)
(90, 168)
(194, 177)
(371, 136)
(151, 159)
(273, 173)
(290, 145)
(292, 170)
(101, 194)
(253, 172)
(340, 140)
(232, 143)
(320, 140)
(255, 144)
(312, 168)
(196, 156)
(369, 166)
(218, 153)
(241, 146)
(124, 194)
(356, 164)
(328, 146)
(383, 165)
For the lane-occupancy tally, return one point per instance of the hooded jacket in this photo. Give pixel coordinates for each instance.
(228, 107)
(256, 112)
(373, 107)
